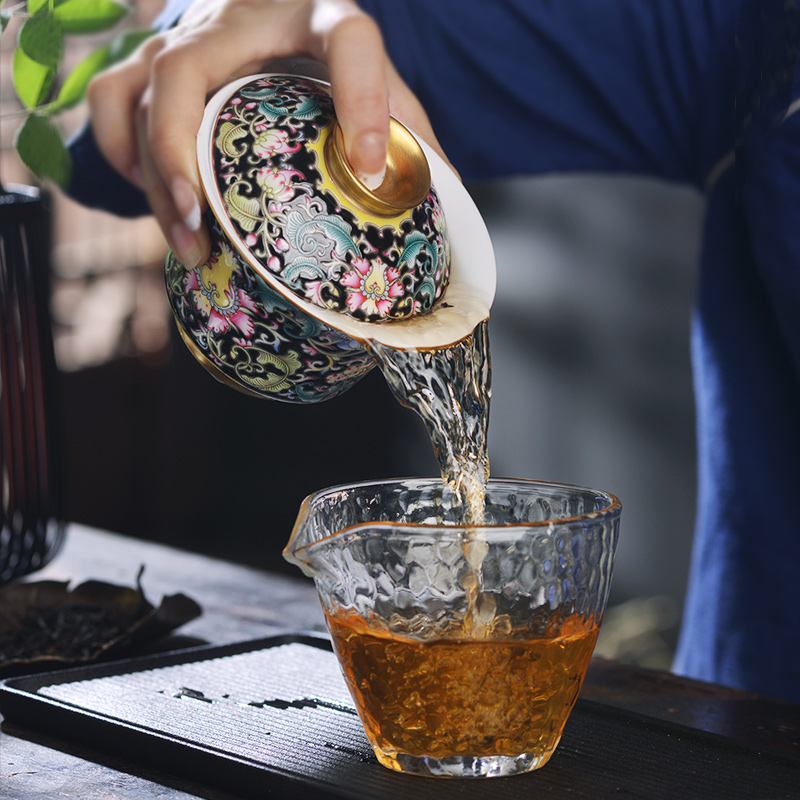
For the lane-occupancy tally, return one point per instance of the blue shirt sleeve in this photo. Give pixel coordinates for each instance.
(533, 86)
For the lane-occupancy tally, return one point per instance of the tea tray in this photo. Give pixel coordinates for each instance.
(272, 718)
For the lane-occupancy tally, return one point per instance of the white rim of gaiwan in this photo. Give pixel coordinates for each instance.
(473, 273)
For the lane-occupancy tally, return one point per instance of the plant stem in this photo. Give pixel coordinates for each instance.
(44, 110)
(22, 112)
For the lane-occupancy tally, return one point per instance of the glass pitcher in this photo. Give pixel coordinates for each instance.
(464, 648)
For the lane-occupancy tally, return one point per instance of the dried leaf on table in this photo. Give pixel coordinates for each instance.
(47, 624)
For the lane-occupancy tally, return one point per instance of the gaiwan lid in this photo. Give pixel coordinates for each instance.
(297, 206)
(272, 163)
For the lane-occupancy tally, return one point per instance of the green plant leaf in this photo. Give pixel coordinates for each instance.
(73, 90)
(35, 5)
(89, 16)
(32, 80)
(5, 17)
(41, 39)
(42, 150)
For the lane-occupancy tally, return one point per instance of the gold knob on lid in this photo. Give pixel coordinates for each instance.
(408, 176)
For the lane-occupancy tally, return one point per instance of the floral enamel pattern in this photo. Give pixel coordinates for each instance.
(253, 338)
(268, 153)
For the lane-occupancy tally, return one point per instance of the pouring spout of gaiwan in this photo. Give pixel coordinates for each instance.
(308, 266)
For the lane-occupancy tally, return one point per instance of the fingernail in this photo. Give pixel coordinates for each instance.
(184, 245)
(374, 180)
(185, 199)
(371, 147)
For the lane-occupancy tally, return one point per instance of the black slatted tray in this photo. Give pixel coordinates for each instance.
(272, 718)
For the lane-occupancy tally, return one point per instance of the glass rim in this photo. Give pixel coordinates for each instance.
(614, 502)
(611, 511)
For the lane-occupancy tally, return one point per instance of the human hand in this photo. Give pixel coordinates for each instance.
(147, 110)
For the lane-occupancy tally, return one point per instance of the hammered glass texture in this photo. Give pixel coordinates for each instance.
(396, 550)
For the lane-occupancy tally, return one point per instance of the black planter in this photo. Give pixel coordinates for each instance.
(32, 507)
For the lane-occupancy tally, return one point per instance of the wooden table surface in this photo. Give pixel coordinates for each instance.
(240, 604)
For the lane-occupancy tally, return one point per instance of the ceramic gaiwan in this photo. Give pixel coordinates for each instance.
(307, 264)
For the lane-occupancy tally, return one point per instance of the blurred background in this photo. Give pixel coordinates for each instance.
(591, 385)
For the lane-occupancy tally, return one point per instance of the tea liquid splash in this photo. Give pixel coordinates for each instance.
(450, 388)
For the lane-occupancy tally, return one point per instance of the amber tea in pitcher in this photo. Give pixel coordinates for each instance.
(460, 667)
(489, 697)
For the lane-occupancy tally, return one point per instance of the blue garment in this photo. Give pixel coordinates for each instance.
(531, 86)
(534, 86)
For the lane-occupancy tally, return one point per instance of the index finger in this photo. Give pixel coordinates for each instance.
(178, 90)
(177, 98)
(183, 73)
